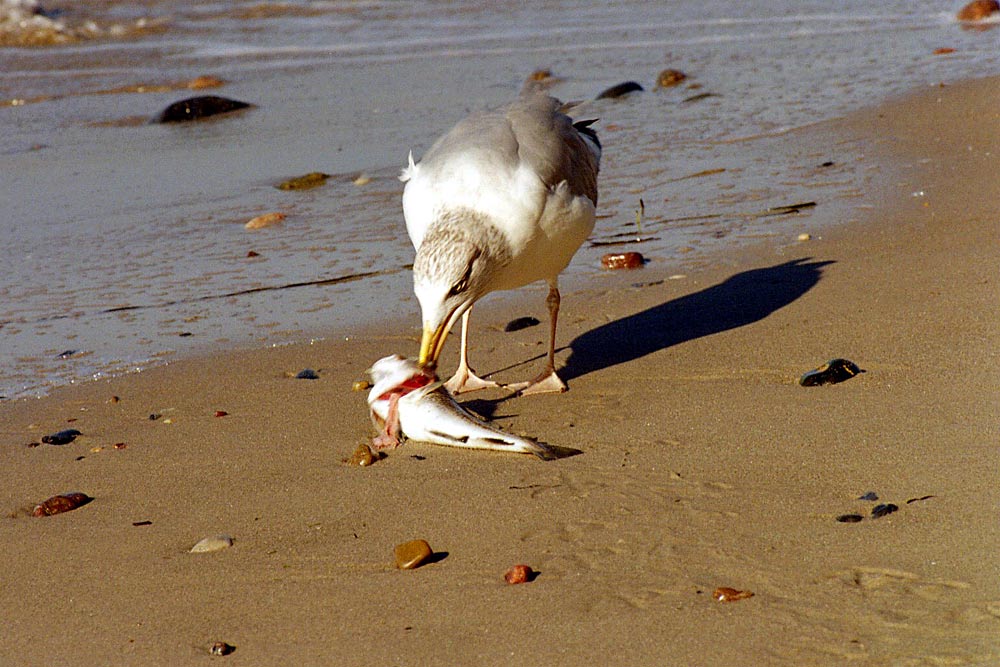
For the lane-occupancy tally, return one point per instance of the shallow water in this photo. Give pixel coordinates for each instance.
(123, 241)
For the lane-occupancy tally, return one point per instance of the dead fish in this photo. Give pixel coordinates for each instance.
(405, 400)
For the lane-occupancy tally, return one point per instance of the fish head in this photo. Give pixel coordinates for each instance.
(396, 373)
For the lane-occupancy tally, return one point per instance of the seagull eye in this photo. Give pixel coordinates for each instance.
(460, 286)
(463, 283)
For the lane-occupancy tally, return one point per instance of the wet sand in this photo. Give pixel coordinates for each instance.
(704, 465)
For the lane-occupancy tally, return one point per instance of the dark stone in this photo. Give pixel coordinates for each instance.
(520, 323)
(620, 90)
(196, 108)
(881, 510)
(307, 374)
(871, 495)
(61, 437)
(849, 518)
(832, 372)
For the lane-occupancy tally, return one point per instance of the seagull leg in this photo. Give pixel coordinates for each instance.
(465, 379)
(547, 381)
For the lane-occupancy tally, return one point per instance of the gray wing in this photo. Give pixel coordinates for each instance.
(530, 129)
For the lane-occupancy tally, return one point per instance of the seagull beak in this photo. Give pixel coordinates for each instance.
(432, 343)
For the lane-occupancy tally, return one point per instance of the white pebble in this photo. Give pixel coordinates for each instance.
(214, 543)
(805, 237)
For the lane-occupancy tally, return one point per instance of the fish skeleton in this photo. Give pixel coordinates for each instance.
(405, 400)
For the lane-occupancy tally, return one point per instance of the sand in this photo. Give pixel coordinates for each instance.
(704, 465)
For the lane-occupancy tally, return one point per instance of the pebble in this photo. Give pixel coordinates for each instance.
(849, 518)
(880, 511)
(832, 372)
(61, 437)
(362, 179)
(804, 237)
(196, 108)
(60, 504)
(619, 90)
(521, 323)
(363, 456)
(307, 374)
(221, 413)
(622, 260)
(210, 544)
(221, 648)
(413, 554)
(205, 81)
(977, 10)
(311, 180)
(670, 77)
(870, 495)
(519, 574)
(726, 594)
(266, 220)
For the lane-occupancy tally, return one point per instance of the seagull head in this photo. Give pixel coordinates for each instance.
(447, 279)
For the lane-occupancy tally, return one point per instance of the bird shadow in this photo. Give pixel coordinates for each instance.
(741, 299)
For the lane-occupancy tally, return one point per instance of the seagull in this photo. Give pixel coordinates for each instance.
(502, 200)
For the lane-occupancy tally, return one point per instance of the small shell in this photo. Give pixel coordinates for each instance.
(210, 544)
(265, 220)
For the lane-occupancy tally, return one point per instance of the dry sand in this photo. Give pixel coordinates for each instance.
(704, 465)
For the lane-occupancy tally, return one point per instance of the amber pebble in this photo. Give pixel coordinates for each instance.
(977, 10)
(196, 108)
(518, 574)
(60, 504)
(201, 82)
(120, 445)
(832, 372)
(670, 77)
(361, 385)
(363, 456)
(619, 90)
(221, 413)
(265, 220)
(622, 260)
(310, 180)
(221, 648)
(253, 253)
(726, 594)
(944, 50)
(412, 554)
